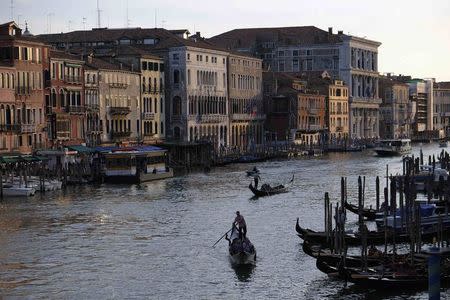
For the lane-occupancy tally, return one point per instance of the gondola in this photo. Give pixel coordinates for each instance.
(354, 239)
(267, 190)
(242, 251)
(368, 213)
(252, 172)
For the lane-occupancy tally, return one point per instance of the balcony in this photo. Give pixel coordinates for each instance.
(75, 109)
(22, 90)
(92, 107)
(248, 117)
(118, 85)
(315, 127)
(149, 134)
(63, 135)
(27, 128)
(339, 128)
(314, 111)
(120, 134)
(73, 79)
(207, 118)
(118, 110)
(148, 116)
(10, 128)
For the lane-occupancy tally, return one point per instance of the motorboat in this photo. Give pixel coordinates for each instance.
(393, 147)
(10, 190)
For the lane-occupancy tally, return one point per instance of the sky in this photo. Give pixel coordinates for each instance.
(415, 35)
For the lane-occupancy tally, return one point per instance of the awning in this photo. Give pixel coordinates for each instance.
(82, 149)
(10, 159)
(30, 158)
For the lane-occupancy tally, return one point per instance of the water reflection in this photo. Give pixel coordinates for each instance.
(243, 272)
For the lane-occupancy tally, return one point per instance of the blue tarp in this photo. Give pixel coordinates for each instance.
(148, 148)
(105, 149)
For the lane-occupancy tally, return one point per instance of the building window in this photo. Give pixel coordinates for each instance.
(295, 53)
(188, 56)
(295, 65)
(280, 53)
(175, 56)
(281, 66)
(189, 77)
(176, 77)
(144, 65)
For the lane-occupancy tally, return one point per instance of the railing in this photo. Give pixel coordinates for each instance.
(148, 116)
(313, 111)
(93, 107)
(75, 109)
(248, 117)
(22, 90)
(118, 85)
(207, 118)
(63, 135)
(10, 127)
(339, 128)
(315, 127)
(118, 110)
(120, 134)
(73, 79)
(27, 128)
(149, 134)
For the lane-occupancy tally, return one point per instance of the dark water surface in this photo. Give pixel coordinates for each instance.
(154, 240)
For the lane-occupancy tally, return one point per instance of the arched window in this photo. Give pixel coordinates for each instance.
(176, 77)
(176, 106)
(53, 98)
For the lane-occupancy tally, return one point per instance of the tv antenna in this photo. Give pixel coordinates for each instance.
(84, 23)
(12, 10)
(98, 14)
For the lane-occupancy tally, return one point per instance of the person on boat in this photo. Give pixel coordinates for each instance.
(239, 221)
(255, 169)
(256, 181)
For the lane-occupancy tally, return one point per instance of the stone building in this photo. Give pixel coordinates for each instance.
(119, 101)
(196, 79)
(294, 112)
(26, 56)
(246, 102)
(93, 127)
(395, 111)
(308, 49)
(441, 97)
(151, 69)
(9, 128)
(421, 93)
(66, 109)
(337, 105)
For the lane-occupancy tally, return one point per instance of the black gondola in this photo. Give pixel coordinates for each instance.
(368, 213)
(267, 190)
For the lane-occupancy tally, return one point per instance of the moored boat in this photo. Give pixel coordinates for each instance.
(17, 191)
(368, 213)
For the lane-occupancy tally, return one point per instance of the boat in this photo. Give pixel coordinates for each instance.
(253, 172)
(393, 147)
(355, 239)
(267, 190)
(10, 190)
(136, 165)
(368, 213)
(443, 143)
(242, 251)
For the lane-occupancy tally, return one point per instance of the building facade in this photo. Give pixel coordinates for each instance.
(395, 110)
(119, 102)
(66, 109)
(246, 102)
(311, 124)
(94, 128)
(338, 112)
(26, 56)
(309, 49)
(421, 94)
(198, 102)
(9, 128)
(151, 68)
(441, 97)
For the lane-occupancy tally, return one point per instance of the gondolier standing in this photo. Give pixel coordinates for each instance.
(239, 221)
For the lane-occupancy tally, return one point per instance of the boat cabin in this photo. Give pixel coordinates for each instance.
(137, 164)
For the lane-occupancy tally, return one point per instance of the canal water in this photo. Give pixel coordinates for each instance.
(155, 240)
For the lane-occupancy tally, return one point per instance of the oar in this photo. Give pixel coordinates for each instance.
(221, 237)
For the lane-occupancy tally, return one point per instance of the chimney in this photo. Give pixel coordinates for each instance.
(340, 32)
(330, 30)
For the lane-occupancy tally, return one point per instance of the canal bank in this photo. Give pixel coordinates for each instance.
(154, 240)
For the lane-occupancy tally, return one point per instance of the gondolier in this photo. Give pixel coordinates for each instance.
(239, 221)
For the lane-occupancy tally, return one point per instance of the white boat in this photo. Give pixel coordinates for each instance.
(393, 147)
(242, 251)
(17, 191)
